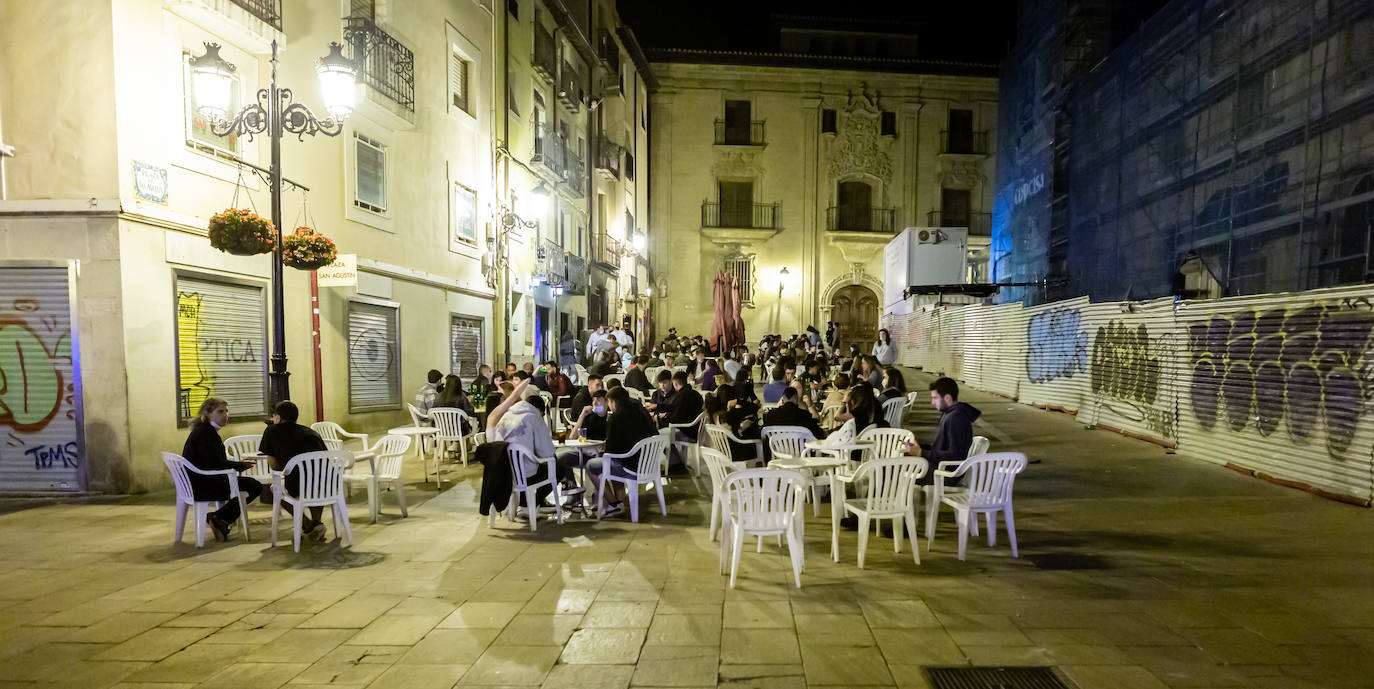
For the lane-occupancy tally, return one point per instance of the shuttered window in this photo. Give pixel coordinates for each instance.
(458, 82)
(374, 357)
(370, 161)
(465, 346)
(741, 267)
(221, 336)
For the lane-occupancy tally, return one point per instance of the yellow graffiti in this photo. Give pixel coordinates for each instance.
(196, 385)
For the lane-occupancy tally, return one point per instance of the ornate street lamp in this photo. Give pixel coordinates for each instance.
(274, 111)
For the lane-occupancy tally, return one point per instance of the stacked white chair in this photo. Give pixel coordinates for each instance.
(518, 455)
(889, 493)
(989, 482)
(936, 491)
(762, 502)
(647, 457)
(389, 451)
(181, 471)
(892, 411)
(321, 485)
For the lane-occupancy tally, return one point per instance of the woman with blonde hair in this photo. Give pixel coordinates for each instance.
(205, 450)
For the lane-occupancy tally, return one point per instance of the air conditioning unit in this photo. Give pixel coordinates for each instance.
(930, 235)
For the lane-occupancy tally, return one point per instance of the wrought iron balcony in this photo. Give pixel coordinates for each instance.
(574, 174)
(387, 65)
(269, 11)
(545, 61)
(549, 151)
(608, 159)
(757, 216)
(570, 87)
(607, 251)
(964, 143)
(978, 224)
(609, 52)
(847, 219)
(730, 133)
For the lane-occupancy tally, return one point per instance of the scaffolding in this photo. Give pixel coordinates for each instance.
(1235, 132)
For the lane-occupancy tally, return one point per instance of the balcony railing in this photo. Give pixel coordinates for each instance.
(545, 61)
(608, 159)
(609, 52)
(966, 143)
(978, 224)
(737, 134)
(757, 216)
(549, 151)
(607, 250)
(388, 66)
(268, 11)
(574, 174)
(570, 87)
(846, 219)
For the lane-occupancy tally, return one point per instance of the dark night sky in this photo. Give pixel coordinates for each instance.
(971, 30)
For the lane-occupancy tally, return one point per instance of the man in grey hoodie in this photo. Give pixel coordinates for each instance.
(954, 435)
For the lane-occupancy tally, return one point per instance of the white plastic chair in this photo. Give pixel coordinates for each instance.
(989, 489)
(418, 419)
(386, 468)
(635, 394)
(449, 421)
(937, 488)
(647, 456)
(606, 379)
(890, 494)
(892, 411)
(686, 446)
(242, 448)
(335, 436)
(786, 444)
(518, 455)
(887, 442)
(181, 469)
(321, 485)
(720, 437)
(762, 502)
(912, 398)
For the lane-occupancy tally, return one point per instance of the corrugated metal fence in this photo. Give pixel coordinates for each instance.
(1277, 384)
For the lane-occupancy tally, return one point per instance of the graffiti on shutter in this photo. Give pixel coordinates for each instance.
(465, 346)
(221, 346)
(373, 357)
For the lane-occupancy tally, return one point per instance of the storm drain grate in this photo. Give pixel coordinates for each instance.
(994, 678)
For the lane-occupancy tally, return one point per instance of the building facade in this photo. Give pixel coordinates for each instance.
(792, 176)
(1222, 149)
(121, 317)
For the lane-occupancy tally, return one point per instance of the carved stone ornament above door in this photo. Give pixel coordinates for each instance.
(736, 163)
(961, 174)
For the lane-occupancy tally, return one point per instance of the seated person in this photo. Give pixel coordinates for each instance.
(790, 413)
(660, 403)
(628, 424)
(837, 391)
(584, 396)
(424, 397)
(772, 391)
(655, 359)
(205, 450)
(635, 378)
(604, 364)
(894, 385)
(711, 376)
(521, 422)
(453, 396)
(954, 435)
(687, 405)
(282, 441)
(481, 385)
(860, 411)
(739, 413)
(555, 382)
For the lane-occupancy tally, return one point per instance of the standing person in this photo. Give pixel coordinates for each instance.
(954, 435)
(204, 449)
(622, 337)
(593, 340)
(281, 442)
(424, 397)
(832, 335)
(883, 350)
(813, 336)
(567, 351)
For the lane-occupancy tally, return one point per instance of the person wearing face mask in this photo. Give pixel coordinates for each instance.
(954, 435)
(205, 450)
(894, 385)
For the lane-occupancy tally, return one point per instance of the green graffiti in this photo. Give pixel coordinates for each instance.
(30, 384)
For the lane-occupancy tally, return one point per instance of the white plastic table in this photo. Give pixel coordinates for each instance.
(582, 447)
(417, 435)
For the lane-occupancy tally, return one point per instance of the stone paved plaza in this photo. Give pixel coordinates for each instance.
(1138, 569)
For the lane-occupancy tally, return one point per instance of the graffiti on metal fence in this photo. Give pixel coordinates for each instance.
(1056, 346)
(1125, 372)
(1304, 366)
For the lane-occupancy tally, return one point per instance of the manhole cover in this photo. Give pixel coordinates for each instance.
(994, 678)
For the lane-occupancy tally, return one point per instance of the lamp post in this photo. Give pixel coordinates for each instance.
(509, 220)
(275, 111)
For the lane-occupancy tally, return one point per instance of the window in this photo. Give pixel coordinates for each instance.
(458, 72)
(465, 345)
(514, 8)
(889, 124)
(463, 208)
(629, 226)
(736, 204)
(510, 97)
(954, 207)
(828, 123)
(741, 267)
(629, 167)
(374, 356)
(737, 113)
(960, 131)
(369, 192)
(198, 134)
(221, 345)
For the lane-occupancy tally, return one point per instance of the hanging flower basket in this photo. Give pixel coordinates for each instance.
(306, 249)
(241, 232)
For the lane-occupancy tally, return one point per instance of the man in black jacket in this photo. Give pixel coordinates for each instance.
(686, 404)
(787, 413)
(282, 441)
(660, 404)
(584, 396)
(205, 450)
(954, 436)
(635, 378)
(627, 424)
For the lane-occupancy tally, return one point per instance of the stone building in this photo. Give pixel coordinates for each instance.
(793, 171)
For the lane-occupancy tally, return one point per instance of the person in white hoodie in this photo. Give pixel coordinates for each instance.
(883, 350)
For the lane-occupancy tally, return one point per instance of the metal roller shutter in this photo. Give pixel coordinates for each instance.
(39, 401)
(221, 335)
(374, 357)
(1134, 369)
(465, 346)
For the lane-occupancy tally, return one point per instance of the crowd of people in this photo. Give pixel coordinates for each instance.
(809, 383)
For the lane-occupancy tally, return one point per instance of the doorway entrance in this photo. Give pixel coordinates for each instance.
(855, 308)
(541, 333)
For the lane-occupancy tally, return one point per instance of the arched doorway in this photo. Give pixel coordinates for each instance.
(855, 308)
